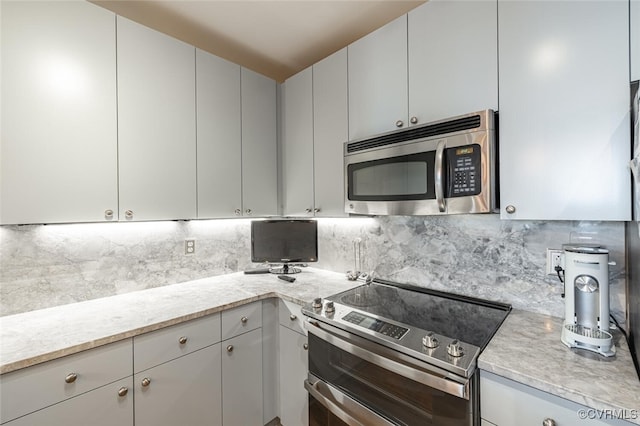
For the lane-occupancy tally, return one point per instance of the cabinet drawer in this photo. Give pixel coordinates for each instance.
(242, 319)
(169, 343)
(33, 388)
(291, 316)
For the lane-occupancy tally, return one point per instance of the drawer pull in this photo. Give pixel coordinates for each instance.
(244, 320)
(293, 317)
(182, 340)
(230, 348)
(305, 346)
(146, 382)
(123, 391)
(71, 377)
(548, 422)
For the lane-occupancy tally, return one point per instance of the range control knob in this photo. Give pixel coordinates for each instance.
(430, 341)
(317, 303)
(329, 308)
(454, 349)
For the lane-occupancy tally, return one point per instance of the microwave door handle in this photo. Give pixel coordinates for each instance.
(344, 407)
(439, 179)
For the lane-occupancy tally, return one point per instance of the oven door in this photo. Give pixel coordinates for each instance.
(354, 381)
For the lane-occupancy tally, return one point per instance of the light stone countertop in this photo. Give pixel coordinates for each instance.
(527, 349)
(38, 336)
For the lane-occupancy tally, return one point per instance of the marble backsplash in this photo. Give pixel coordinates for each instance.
(477, 255)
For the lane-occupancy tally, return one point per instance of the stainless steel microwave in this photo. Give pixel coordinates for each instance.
(443, 167)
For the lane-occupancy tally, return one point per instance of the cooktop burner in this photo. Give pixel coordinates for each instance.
(444, 329)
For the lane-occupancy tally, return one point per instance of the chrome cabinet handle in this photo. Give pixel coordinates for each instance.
(244, 320)
(230, 348)
(182, 340)
(548, 422)
(71, 378)
(510, 209)
(316, 210)
(414, 120)
(399, 123)
(305, 346)
(308, 210)
(128, 214)
(238, 212)
(108, 214)
(248, 211)
(439, 179)
(293, 317)
(146, 382)
(123, 391)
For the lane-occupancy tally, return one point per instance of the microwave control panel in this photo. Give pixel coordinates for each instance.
(464, 176)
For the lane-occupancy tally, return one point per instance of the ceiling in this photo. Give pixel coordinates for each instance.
(277, 38)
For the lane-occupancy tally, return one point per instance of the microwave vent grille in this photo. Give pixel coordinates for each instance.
(443, 128)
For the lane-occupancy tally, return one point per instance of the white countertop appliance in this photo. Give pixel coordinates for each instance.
(586, 320)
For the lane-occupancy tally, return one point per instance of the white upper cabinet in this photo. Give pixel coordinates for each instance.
(564, 110)
(378, 81)
(219, 137)
(635, 39)
(297, 145)
(259, 145)
(330, 132)
(453, 59)
(58, 141)
(156, 125)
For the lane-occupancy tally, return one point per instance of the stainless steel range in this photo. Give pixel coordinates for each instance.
(391, 354)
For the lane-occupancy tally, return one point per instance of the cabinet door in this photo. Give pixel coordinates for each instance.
(185, 391)
(106, 406)
(453, 59)
(58, 141)
(259, 150)
(564, 110)
(297, 145)
(156, 125)
(218, 137)
(330, 132)
(242, 380)
(378, 81)
(294, 402)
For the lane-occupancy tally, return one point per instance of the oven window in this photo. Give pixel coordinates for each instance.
(396, 398)
(407, 177)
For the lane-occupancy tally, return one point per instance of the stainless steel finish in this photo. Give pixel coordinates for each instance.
(123, 391)
(510, 209)
(182, 340)
(230, 348)
(485, 202)
(344, 407)
(146, 382)
(429, 340)
(391, 360)
(439, 179)
(244, 320)
(71, 377)
(128, 214)
(305, 346)
(548, 422)
(414, 120)
(293, 317)
(455, 349)
(317, 303)
(238, 212)
(586, 283)
(108, 214)
(399, 123)
(329, 307)
(248, 211)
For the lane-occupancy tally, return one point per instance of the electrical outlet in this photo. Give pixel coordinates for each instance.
(189, 246)
(555, 257)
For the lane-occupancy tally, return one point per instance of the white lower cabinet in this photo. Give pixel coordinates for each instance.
(242, 379)
(106, 406)
(294, 402)
(183, 391)
(504, 402)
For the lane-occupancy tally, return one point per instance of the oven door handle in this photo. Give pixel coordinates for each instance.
(439, 175)
(460, 390)
(344, 407)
